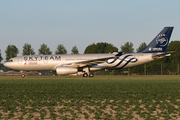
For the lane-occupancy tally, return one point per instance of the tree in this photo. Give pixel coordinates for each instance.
(174, 46)
(91, 49)
(0, 57)
(44, 50)
(141, 47)
(27, 50)
(174, 59)
(11, 51)
(127, 47)
(101, 48)
(74, 50)
(61, 49)
(110, 48)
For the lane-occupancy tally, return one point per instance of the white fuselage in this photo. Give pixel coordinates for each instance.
(50, 62)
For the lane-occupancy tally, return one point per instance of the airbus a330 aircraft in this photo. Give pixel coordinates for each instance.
(70, 64)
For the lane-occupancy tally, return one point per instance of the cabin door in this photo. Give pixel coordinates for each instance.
(19, 60)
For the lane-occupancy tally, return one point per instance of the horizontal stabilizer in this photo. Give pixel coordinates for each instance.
(161, 55)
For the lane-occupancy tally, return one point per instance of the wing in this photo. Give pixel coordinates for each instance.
(91, 62)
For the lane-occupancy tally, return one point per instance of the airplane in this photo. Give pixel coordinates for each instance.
(65, 64)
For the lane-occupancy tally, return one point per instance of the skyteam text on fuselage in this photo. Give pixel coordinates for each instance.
(85, 63)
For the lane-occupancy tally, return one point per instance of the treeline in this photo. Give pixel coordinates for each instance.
(167, 65)
(12, 50)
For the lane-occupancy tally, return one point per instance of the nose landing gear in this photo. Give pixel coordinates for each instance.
(22, 74)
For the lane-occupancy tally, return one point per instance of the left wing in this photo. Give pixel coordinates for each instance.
(91, 62)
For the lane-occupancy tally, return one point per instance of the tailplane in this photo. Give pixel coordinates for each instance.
(160, 42)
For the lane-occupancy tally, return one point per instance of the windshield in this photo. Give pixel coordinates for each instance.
(10, 61)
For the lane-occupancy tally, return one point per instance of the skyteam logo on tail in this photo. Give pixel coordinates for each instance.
(161, 40)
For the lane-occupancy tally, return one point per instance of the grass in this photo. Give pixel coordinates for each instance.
(101, 97)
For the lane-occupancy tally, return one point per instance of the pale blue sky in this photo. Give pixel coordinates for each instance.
(83, 22)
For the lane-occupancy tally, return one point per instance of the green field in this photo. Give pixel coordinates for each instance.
(101, 97)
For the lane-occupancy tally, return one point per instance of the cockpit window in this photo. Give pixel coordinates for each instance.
(10, 61)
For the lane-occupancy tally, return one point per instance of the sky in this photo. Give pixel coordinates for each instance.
(84, 22)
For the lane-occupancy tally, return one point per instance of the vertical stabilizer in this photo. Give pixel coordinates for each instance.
(160, 42)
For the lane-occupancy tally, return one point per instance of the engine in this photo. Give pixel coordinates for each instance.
(64, 70)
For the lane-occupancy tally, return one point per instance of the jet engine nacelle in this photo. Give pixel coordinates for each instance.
(64, 70)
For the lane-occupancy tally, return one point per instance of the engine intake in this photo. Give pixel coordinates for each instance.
(64, 70)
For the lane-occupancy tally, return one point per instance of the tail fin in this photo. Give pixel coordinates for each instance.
(160, 42)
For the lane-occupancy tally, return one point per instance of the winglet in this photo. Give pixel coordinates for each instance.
(119, 54)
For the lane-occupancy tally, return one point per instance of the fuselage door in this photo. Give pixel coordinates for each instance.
(45, 59)
(19, 60)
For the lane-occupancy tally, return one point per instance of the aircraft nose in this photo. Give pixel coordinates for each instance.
(5, 64)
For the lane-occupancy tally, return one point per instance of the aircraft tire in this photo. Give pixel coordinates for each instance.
(91, 75)
(85, 75)
(22, 75)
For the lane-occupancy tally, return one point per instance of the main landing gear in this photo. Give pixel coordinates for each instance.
(86, 75)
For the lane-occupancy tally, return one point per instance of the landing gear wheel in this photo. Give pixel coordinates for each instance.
(22, 75)
(85, 75)
(91, 75)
